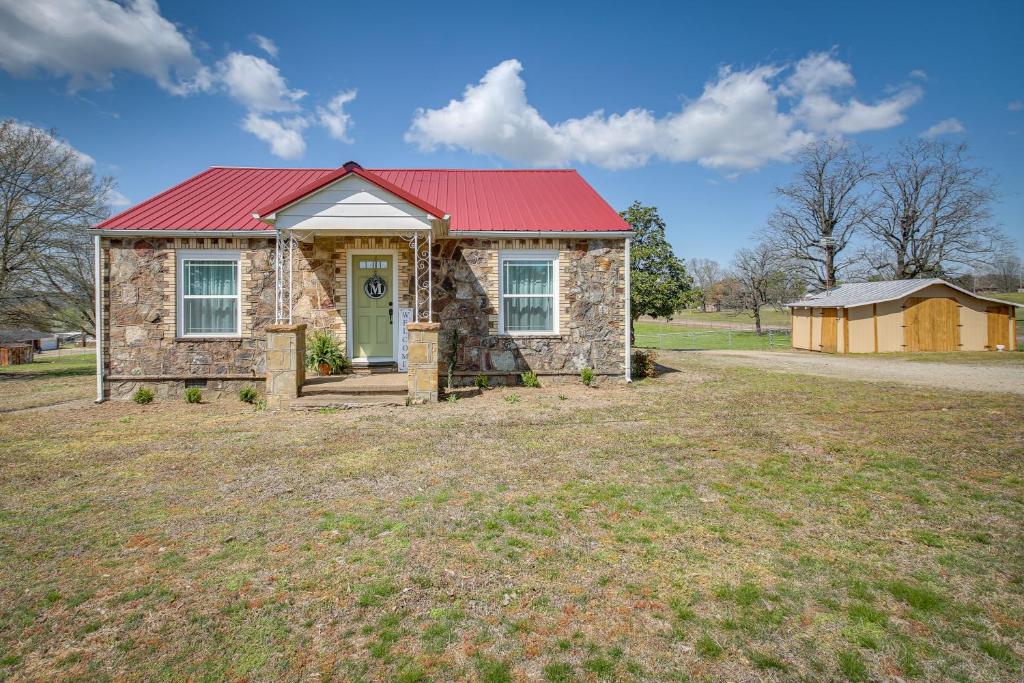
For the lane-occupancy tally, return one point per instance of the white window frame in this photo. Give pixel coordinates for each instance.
(208, 255)
(530, 255)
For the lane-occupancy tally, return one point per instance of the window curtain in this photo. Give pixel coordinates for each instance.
(529, 296)
(211, 297)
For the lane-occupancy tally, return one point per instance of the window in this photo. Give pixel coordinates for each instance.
(208, 294)
(529, 293)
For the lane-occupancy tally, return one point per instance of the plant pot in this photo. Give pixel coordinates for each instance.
(324, 369)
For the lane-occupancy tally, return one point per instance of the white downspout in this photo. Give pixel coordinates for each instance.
(98, 326)
(629, 316)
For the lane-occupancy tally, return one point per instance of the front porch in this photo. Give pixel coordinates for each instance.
(353, 391)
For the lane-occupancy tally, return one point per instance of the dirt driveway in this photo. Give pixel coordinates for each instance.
(992, 378)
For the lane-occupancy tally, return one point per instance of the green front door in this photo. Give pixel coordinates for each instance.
(372, 313)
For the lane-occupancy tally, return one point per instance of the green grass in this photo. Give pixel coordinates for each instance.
(680, 337)
(70, 365)
(712, 523)
(47, 380)
(770, 316)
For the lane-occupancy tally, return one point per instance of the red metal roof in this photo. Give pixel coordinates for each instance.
(532, 200)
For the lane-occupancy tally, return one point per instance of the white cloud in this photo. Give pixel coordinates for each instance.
(1015, 105)
(334, 118)
(88, 40)
(919, 74)
(115, 199)
(265, 44)
(284, 137)
(257, 84)
(742, 120)
(83, 158)
(944, 127)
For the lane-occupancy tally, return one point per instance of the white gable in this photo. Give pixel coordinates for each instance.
(352, 203)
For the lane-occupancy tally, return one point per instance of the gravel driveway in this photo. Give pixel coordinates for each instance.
(993, 378)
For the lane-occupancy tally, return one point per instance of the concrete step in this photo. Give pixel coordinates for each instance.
(349, 390)
(345, 401)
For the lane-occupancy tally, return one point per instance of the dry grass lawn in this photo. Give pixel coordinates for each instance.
(711, 524)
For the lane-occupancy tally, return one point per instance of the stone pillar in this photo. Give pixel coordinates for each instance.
(286, 363)
(423, 353)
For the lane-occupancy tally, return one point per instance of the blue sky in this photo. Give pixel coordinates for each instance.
(699, 106)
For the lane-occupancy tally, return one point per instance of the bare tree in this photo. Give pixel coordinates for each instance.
(758, 279)
(48, 199)
(934, 215)
(822, 210)
(706, 274)
(1006, 273)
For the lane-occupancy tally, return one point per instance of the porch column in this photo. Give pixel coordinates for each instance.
(423, 354)
(286, 363)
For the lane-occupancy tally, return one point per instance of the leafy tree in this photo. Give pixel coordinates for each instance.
(659, 281)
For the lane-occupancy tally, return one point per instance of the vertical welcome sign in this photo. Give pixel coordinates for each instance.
(404, 318)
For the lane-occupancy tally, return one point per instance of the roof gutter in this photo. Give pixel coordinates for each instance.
(610, 234)
(128, 232)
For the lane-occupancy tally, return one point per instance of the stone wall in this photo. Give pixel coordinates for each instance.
(591, 309)
(321, 279)
(139, 300)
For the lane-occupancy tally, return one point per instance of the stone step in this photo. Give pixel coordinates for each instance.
(345, 401)
(350, 390)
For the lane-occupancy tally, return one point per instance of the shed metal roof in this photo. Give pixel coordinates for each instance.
(222, 198)
(865, 293)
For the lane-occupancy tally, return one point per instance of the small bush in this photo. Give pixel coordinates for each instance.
(259, 404)
(587, 376)
(193, 395)
(452, 398)
(247, 395)
(142, 396)
(643, 364)
(512, 398)
(530, 380)
(481, 381)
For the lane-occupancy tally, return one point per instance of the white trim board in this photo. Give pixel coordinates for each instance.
(539, 254)
(179, 309)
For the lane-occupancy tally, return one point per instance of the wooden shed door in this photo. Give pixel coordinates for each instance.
(998, 326)
(828, 330)
(931, 324)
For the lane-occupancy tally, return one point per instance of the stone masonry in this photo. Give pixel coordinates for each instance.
(423, 355)
(286, 363)
(139, 300)
(141, 346)
(591, 306)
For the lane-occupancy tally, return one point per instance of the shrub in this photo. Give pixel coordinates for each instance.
(259, 404)
(530, 380)
(587, 376)
(142, 396)
(193, 395)
(512, 398)
(323, 348)
(247, 395)
(452, 398)
(481, 381)
(643, 364)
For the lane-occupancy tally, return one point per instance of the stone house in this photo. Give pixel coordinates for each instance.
(413, 271)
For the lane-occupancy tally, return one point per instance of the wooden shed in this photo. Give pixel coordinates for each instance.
(902, 315)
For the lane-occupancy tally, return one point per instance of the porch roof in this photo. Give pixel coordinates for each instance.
(222, 198)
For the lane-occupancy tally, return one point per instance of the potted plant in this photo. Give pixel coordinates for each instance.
(324, 353)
